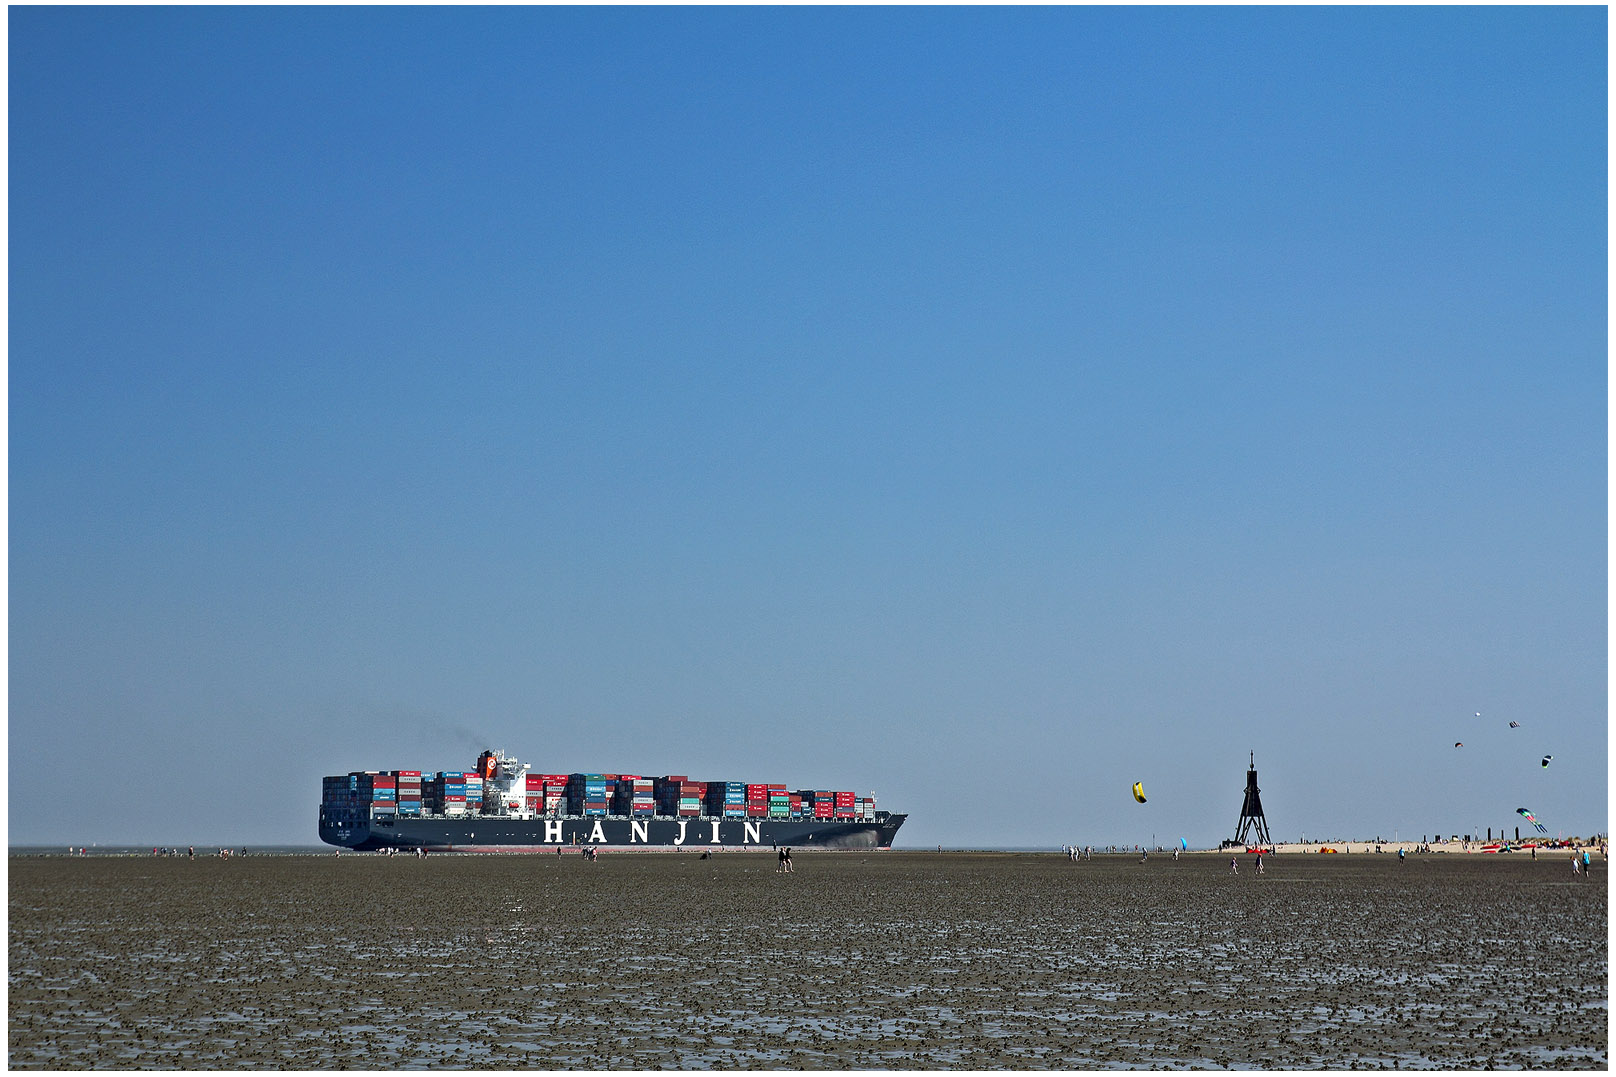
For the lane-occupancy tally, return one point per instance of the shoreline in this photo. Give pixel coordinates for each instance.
(1463, 848)
(1355, 847)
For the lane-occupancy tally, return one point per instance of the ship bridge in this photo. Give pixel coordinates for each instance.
(504, 782)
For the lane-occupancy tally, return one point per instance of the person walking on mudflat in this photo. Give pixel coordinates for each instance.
(1234, 865)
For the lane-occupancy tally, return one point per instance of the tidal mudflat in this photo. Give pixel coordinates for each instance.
(902, 960)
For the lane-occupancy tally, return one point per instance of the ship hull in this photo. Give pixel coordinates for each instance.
(490, 833)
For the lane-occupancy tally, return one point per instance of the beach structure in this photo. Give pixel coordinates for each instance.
(1251, 813)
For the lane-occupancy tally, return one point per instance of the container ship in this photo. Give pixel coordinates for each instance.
(500, 807)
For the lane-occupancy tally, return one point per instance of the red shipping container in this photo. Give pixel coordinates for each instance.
(757, 809)
(454, 798)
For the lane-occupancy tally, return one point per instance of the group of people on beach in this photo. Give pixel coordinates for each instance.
(1234, 864)
(785, 860)
(1581, 863)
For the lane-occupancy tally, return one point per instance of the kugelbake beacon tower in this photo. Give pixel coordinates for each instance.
(1251, 814)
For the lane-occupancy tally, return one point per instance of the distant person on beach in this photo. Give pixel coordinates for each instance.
(1399, 856)
(1259, 861)
(1587, 866)
(1576, 867)
(1234, 865)
(788, 860)
(781, 866)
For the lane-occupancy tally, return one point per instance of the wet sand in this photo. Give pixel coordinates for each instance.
(902, 960)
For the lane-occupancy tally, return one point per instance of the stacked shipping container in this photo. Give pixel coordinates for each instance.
(590, 794)
(635, 796)
(546, 794)
(445, 793)
(676, 794)
(407, 792)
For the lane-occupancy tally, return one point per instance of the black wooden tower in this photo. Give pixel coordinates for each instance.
(1251, 815)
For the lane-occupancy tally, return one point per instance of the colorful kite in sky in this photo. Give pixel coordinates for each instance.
(1530, 818)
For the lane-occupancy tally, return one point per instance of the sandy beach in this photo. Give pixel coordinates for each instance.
(885, 961)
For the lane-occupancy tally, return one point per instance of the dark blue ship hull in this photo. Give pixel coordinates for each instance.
(359, 830)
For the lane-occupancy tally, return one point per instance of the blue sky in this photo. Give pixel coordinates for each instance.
(987, 408)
